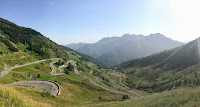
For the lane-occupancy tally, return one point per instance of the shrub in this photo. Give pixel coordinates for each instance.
(66, 71)
(70, 67)
(38, 76)
(125, 97)
(46, 94)
(37, 67)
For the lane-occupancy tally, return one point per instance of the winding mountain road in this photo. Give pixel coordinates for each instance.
(9, 69)
(54, 70)
(111, 90)
(129, 89)
(123, 83)
(114, 81)
(47, 86)
(97, 79)
(53, 88)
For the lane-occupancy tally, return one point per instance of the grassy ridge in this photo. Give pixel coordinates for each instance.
(16, 58)
(184, 97)
(178, 67)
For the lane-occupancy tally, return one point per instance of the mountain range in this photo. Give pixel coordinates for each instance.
(115, 50)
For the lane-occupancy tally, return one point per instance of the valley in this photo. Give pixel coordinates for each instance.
(35, 71)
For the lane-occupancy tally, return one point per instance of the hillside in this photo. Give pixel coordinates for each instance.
(27, 39)
(23, 45)
(184, 97)
(178, 67)
(38, 72)
(35, 71)
(115, 50)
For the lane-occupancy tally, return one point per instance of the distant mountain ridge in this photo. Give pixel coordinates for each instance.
(115, 50)
(76, 46)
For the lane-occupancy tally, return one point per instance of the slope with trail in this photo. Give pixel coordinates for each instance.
(126, 88)
(111, 90)
(47, 86)
(51, 87)
(54, 69)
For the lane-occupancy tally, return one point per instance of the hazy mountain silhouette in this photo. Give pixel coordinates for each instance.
(114, 50)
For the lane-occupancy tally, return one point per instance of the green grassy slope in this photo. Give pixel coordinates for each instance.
(184, 97)
(19, 45)
(75, 90)
(178, 67)
(18, 38)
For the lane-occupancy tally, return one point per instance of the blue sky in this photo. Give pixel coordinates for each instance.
(73, 21)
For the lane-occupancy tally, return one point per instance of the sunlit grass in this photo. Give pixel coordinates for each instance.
(75, 89)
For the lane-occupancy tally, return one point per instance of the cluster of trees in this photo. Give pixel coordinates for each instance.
(69, 68)
(82, 67)
(34, 41)
(130, 83)
(17, 34)
(8, 44)
(59, 63)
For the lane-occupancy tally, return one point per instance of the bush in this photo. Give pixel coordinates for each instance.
(125, 97)
(37, 67)
(60, 63)
(38, 76)
(66, 71)
(46, 94)
(70, 67)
